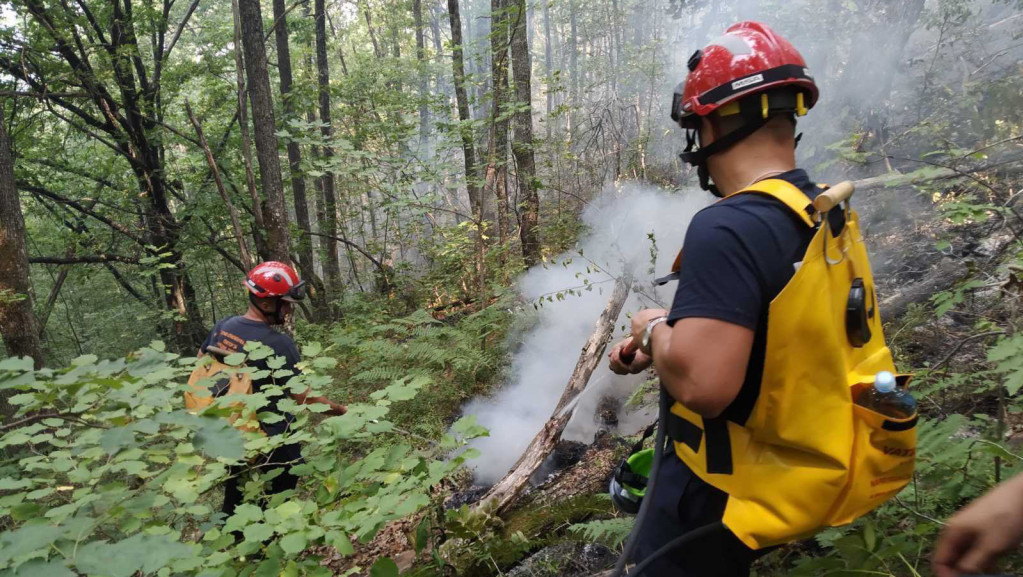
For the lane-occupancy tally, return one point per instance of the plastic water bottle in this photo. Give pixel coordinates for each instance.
(887, 398)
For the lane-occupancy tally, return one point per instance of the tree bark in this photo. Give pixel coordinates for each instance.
(573, 58)
(17, 322)
(243, 126)
(275, 214)
(424, 81)
(306, 262)
(496, 183)
(507, 489)
(522, 147)
(548, 55)
(372, 33)
(462, 104)
(329, 224)
(468, 149)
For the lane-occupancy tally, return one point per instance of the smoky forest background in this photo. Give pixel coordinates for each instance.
(476, 192)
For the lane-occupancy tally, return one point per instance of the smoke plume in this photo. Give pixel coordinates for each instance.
(623, 225)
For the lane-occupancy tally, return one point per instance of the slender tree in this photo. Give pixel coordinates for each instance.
(424, 81)
(496, 183)
(259, 230)
(306, 262)
(17, 323)
(522, 147)
(468, 149)
(462, 104)
(548, 54)
(329, 223)
(573, 71)
(243, 249)
(275, 214)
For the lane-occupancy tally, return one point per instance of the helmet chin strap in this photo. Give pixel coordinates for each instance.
(274, 317)
(705, 183)
(697, 156)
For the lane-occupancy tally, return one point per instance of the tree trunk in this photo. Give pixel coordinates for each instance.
(306, 262)
(438, 49)
(468, 149)
(243, 126)
(522, 147)
(504, 492)
(424, 81)
(573, 56)
(548, 55)
(372, 34)
(462, 103)
(275, 215)
(496, 183)
(17, 323)
(329, 223)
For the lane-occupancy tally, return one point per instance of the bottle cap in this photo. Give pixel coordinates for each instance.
(884, 382)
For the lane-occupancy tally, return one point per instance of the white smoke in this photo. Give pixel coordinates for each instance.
(619, 224)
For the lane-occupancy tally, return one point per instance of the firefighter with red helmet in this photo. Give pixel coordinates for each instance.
(273, 288)
(738, 108)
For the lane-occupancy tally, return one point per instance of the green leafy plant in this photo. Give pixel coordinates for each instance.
(107, 474)
(611, 532)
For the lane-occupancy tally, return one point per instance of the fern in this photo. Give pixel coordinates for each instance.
(610, 532)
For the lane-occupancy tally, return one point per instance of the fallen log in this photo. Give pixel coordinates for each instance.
(504, 493)
(945, 274)
(1006, 167)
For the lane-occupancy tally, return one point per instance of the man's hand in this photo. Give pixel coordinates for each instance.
(639, 363)
(336, 409)
(976, 536)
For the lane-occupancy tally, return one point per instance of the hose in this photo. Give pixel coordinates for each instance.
(630, 545)
(676, 542)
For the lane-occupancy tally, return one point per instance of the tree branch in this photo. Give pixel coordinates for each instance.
(383, 268)
(40, 191)
(124, 283)
(179, 30)
(85, 259)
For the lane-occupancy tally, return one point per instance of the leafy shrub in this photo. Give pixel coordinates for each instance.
(611, 532)
(106, 474)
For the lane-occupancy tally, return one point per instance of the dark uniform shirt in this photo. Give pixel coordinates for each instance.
(739, 253)
(232, 333)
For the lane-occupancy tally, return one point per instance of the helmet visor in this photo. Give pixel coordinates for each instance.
(295, 293)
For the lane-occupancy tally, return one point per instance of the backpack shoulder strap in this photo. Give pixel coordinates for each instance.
(786, 193)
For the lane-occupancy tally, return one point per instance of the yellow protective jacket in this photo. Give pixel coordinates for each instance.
(808, 457)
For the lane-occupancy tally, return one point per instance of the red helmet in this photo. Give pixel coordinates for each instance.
(275, 279)
(748, 58)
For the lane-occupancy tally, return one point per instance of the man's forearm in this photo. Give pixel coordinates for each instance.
(305, 399)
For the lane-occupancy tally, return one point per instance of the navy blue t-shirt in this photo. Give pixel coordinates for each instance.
(739, 253)
(232, 333)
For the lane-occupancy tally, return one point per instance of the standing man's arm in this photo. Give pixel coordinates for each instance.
(701, 361)
(293, 357)
(304, 399)
(976, 536)
(702, 351)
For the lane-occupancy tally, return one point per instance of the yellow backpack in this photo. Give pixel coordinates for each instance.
(808, 456)
(212, 379)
